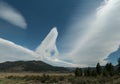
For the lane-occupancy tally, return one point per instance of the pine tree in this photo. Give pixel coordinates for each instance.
(118, 65)
(109, 69)
(98, 69)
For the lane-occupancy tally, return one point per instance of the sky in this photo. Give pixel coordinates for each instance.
(60, 32)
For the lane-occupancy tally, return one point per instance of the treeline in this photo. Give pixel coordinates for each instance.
(107, 70)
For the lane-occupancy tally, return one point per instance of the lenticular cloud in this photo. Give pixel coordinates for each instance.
(10, 14)
(10, 51)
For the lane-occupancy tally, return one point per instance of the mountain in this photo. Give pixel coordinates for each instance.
(29, 66)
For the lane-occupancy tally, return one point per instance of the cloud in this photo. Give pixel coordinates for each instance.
(11, 15)
(10, 51)
(96, 43)
(101, 38)
(47, 51)
(48, 45)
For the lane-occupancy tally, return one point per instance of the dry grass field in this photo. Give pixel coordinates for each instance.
(54, 78)
(22, 74)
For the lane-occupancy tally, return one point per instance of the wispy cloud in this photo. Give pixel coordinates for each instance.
(11, 15)
(101, 38)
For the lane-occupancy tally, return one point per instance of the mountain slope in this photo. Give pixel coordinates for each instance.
(30, 66)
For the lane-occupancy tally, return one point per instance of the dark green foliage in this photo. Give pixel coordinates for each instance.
(87, 72)
(98, 69)
(105, 73)
(119, 65)
(109, 69)
(78, 72)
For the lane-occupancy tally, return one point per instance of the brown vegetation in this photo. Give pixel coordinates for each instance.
(59, 79)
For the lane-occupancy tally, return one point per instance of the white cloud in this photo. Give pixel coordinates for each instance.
(11, 15)
(10, 51)
(48, 45)
(101, 38)
(47, 51)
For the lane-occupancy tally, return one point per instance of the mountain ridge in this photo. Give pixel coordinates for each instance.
(29, 66)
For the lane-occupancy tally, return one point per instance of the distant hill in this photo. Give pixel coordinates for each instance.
(29, 66)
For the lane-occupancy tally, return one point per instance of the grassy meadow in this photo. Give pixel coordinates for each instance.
(55, 78)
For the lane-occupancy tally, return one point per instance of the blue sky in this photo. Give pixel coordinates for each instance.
(59, 32)
(41, 16)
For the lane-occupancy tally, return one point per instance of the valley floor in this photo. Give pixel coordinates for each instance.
(54, 78)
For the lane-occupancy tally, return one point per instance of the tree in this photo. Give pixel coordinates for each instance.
(105, 72)
(109, 69)
(98, 69)
(78, 72)
(87, 72)
(118, 65)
